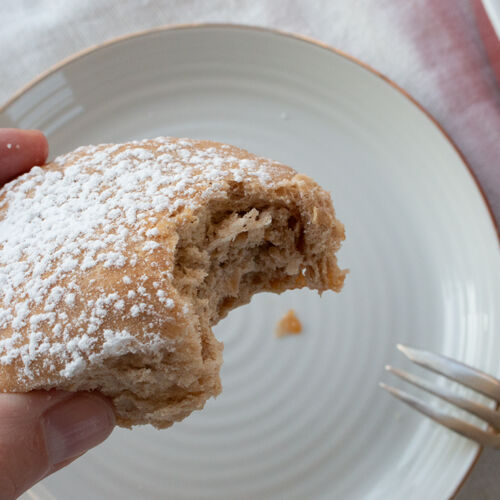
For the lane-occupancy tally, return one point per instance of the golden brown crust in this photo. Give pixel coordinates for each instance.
(106, 282)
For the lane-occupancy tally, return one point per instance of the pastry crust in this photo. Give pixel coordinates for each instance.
(116, 260)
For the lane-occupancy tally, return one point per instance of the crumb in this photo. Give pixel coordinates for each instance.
(17, 146)
(289, 324)
(9, 146)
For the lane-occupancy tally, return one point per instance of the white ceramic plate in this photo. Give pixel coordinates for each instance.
(299, 417)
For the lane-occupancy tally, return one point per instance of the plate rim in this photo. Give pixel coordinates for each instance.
(302, 38)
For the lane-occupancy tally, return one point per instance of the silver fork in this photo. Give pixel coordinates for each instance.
(464, 374)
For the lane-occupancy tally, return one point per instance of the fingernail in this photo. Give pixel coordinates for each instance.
(76, 425)
(42, 150)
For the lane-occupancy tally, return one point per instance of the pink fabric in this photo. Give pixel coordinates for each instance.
(491, 38)
(459, 85)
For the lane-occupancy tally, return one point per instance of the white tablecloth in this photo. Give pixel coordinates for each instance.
(431, 48)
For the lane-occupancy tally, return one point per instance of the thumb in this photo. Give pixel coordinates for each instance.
(20, 150)
(42, 431)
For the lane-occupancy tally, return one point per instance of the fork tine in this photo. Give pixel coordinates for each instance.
(454, 370)
(463, 428)
(481, 411)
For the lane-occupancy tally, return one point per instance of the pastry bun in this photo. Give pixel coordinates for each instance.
(116, 260)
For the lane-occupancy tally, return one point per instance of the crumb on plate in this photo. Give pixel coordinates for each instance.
(289, 324)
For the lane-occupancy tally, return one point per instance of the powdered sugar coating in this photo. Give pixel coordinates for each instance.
(85, 210)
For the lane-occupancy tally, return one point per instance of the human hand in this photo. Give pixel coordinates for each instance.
(42, 431)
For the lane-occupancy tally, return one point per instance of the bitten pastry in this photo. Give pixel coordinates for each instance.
(116, 260)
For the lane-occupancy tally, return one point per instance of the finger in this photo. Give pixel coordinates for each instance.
(20, 150)
(76, 425)
(41, 431)
(63, 464)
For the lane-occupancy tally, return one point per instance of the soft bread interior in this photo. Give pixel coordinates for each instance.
(234, 253)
